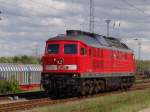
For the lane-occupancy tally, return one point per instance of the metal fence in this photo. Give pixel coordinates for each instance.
(24, 74)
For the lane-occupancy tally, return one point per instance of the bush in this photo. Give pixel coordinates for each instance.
(21, 59)
(142, 65)
(7, 87)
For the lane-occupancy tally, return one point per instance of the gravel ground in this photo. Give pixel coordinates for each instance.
(12, 101)
(145, 110)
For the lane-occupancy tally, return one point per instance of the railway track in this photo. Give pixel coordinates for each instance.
(25, 105)
(27, 95)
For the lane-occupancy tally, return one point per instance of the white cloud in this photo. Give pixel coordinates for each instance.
(53, 22)
(27, 22)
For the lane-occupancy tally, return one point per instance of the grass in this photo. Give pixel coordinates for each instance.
(123, 102)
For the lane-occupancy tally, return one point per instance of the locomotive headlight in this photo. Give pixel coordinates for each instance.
(75, 75)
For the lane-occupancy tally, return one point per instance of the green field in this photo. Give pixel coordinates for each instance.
(122, 102)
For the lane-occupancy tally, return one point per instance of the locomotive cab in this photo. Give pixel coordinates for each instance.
(65, 57)
(63, 62)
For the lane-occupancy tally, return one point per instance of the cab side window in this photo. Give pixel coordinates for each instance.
(82, 51)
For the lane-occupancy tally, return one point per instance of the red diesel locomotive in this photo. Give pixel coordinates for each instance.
(86, 63)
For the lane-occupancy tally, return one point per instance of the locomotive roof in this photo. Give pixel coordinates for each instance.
(92, 39)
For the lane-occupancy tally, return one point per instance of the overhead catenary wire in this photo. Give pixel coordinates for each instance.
(133, 6)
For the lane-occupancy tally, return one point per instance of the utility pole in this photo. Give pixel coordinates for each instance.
(92, 16)
(139, 55)
(139, 48)
(107, 22)
(0, 13)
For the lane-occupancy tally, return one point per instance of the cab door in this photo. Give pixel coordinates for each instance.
(84, 62)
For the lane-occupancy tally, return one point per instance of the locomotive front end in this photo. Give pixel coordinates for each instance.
(60, 57)
(61, 67)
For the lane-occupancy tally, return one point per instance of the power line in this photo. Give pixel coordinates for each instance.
(0, 13)
(133, 6)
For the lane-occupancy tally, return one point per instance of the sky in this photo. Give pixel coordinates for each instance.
(25, 25)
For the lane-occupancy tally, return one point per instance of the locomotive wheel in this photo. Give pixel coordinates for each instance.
(102, 85)
(83, 88)
(96, 86)
(91, 88)
(124, 84)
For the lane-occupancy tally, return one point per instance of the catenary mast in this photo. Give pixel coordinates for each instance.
(92, 16)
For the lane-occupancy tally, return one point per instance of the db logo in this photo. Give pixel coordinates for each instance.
(59, 61)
